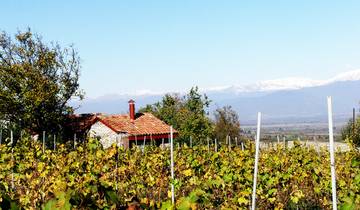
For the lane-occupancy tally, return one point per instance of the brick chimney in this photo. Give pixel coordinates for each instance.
(132, 109)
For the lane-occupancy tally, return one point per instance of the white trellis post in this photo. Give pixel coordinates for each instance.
(316, 144)
(74, 140)
(284, 141)
(307, 142)
(54, 142)
(229, 143)
(208, 143)
(144, 143)
(116, 164)
(332, 155)
(44, 133)
(12, 158)
(236, 141)
(122, 142)
(278, 139)
(215, 145)
(135, 140)
(162, 143)
(257, 145)
(172, 165)
(242, 146)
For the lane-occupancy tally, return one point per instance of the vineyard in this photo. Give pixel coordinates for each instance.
(90, 177)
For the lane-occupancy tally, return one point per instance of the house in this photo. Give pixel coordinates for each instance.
(78, 125)
(130, 129)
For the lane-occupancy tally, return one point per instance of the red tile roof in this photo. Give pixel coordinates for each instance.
(144, 124)
(82, 122)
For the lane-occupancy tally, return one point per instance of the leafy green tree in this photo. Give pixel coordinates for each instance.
(187, 114)
(226, 123)
(195, 121)
(36, 81)
(351, 132)
(168, 109)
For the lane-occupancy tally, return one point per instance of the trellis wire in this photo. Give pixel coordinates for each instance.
(332, 155)
(257, 144)
(172, 165)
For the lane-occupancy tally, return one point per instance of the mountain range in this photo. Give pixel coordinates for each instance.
(288, 100)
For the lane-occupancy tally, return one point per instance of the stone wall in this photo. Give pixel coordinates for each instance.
(107, 136)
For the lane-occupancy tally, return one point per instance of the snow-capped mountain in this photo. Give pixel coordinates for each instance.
(269, 85)
(292, 83)
(347, 76)
(284, 100)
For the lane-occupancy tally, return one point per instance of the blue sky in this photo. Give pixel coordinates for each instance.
(128, 46)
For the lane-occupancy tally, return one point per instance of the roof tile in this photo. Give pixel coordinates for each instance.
(144, 124)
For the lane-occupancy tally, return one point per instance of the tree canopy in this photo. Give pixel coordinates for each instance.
(187, 114)
(226, 123)
(37, 80)
(351, 132)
